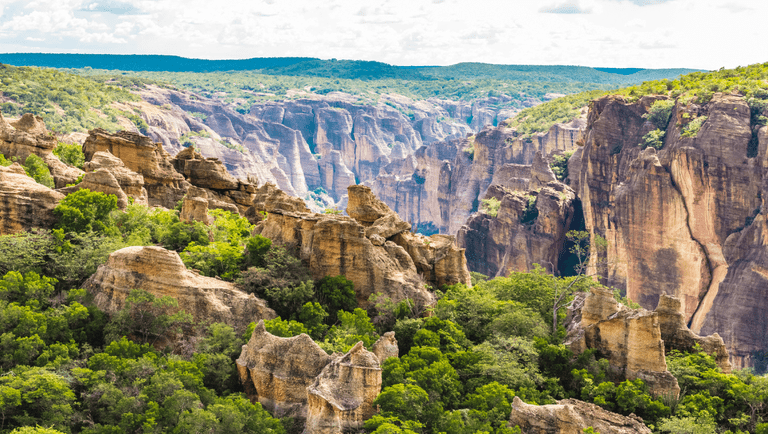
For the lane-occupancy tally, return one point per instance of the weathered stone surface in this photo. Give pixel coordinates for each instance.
(364, 206)
(278, 371)
(668, 215)
(26, 136)
(629, 339)
(341, 398)
(165, 186)
(386, 347)
(294, 377)
(677, 335)
(332, 245)
(571, 416)
(195, 207)
(518, 237)
(203, 172)
(24, 204)
(161, 272)
(270, 198)
(130, 182)
(439, 186)
(103, 181)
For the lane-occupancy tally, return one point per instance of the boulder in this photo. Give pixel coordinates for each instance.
(24, 204)
(161, 272)
(204, 172)
(386, 347)
(195, 207)
(102, 181)
(130, 182)
(571, 416)
(294, 377)
(364, 206)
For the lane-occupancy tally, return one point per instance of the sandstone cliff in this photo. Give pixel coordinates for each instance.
(535, 212)
(161, 272)
(294, 377)
(372, 247)
(673, 218)
(440, 185)
(24, 204)
(571, 416)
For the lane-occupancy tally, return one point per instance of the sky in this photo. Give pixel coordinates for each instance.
(704, 34)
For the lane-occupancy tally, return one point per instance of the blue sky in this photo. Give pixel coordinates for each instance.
(705, 34)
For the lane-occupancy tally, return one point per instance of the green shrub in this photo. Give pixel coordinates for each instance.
(38, 170)
(659, 113)
(491, 206)
(86, 211)
(71, 154)
(5, 162)
(214, 259)
(335, 294)
(691, 129)
(559, 165)
(654, 139)
(256, 247)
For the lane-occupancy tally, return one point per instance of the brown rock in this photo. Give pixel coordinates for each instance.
(195, 207)
(269, 198)
(364, 207)
(161, 272)
(278, 371)
(629, 339)
(571, 416)
(102, 181)
(341, 398)
(130, 182)
(677, 335)
(204, 172)
(24, 204)
(386, 347)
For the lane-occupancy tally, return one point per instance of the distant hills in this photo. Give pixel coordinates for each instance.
(346, 69)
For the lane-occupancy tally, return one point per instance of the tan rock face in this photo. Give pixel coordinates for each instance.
(161, 273)
(332, 245)
(28, 136)
(195, 207)
(441, 185)
(519, 237)
(571, 416)
(24, 204)
(629, 339)
(668, 216)
(386, 347)
(103, 181)
(204, 172)
(294, 377)
(341, 398)
(130, 182)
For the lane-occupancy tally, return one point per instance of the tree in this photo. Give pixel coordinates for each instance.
(86, 211)
(36, 168)
(335, 294)
(149, 318)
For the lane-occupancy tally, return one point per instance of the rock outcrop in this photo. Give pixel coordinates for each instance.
(629, 339)
(294, 377)
(571, 416)
(398, 266)
(687, 219)
(161, 272)
(386, 347)
(439, 186)
(24, 204)
(535, 212)
(130, 182)
(26, 136)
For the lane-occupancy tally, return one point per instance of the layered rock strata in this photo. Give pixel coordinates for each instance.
(571, 416)
(161, 272)
(535, 212)
(26, 136)
(398, 266)
(629, 339)
(439, 186)
(294, 377)
(687, 219)
(24, 204)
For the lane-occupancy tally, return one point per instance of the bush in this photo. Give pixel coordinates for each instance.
(71, 154)
(491, 206)
(256, 247)
(38, 170)
(214, 259)
(654, 139)
(691, 129)
(335, 294)
(659, 113)
(559, 165)
(86, 211)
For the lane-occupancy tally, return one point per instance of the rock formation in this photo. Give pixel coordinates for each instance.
(161, 272)
(26, 136)
(629, 339)
(398, 266)
(341, 398)
(294, 377)
(571, 416)
(439, 186)
(674, 218)
(386, 347)
(130, 182)
(529, 228)
(24, 204)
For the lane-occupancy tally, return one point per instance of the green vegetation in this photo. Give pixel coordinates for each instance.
(36, 168)
(70, 154)
(559, 165)
(66, 102)
(490, 206)
(654, 139)
(659, 113)
(691, 129)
